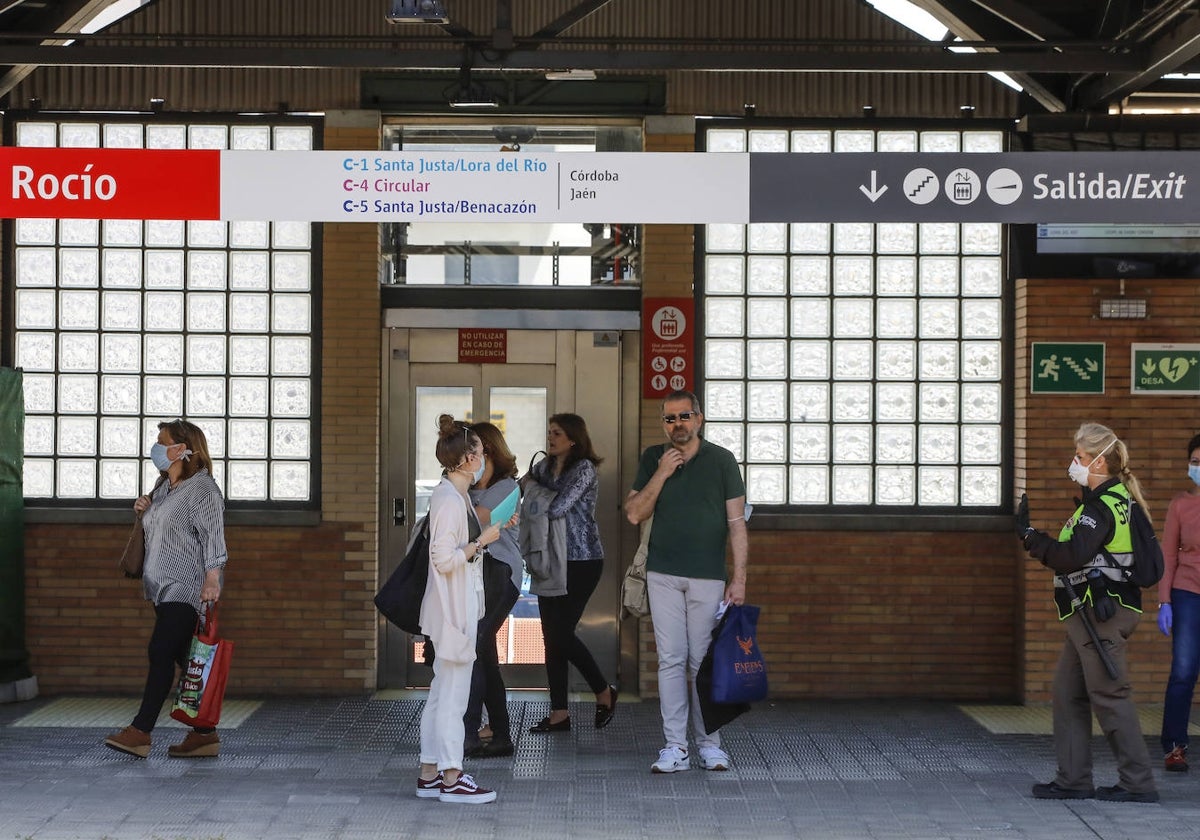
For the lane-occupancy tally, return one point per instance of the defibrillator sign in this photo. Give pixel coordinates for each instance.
(1172, 369)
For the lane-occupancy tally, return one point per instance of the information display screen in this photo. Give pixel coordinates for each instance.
(1105, 250)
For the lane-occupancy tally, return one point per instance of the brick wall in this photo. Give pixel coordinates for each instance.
(298, 599)
(856, 613)
(1155, 429)
(956, 615)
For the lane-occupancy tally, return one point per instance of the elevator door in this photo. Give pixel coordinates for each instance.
(517, 397)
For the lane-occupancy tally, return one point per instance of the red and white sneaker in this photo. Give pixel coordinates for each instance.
(466, 792)
(429, 788)
(1176, 760)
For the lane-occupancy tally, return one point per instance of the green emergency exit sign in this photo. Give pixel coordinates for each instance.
(1067, 368)
(1165, 369)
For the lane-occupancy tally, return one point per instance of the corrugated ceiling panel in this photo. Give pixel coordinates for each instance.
(189, 89)
(774, 94)
(745, 19)
(710, 94)
(838, 94)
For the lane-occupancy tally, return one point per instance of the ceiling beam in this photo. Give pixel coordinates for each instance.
(569, 18)
(971, 20)
(57, 17)
(749, 59)
(1169, 54)
(1023, 17)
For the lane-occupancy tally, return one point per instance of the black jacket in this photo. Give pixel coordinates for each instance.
(1093, 530)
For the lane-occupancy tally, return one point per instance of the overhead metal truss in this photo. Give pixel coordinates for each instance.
(1068, 55)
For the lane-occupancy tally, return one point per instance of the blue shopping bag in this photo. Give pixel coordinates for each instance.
(739, 674)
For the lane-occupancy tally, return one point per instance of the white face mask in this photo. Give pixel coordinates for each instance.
(477, 474)
(1079, 473)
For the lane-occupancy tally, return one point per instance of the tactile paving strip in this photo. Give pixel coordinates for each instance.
(116, 712)
(1038, 720)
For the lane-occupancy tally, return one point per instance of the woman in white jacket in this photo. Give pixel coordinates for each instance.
(450, 615)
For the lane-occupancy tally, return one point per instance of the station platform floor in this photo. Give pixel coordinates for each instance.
(322, 768)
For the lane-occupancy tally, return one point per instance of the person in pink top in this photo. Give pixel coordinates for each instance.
(1179, 611)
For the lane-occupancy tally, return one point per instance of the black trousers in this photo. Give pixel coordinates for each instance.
(487, 683)
(560, 616)
(170, 642)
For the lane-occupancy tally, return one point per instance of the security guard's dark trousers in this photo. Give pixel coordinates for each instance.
(1081, 686)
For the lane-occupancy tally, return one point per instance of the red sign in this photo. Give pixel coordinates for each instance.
(483, 346)
(110, 183)
(668, 353)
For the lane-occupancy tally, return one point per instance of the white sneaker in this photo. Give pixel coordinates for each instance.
(671, 760)
(714, 758)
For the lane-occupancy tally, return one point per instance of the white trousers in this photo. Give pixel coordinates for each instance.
(684, 613)
(442, 730)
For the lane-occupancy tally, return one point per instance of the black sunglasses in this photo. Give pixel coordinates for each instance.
(683, 415)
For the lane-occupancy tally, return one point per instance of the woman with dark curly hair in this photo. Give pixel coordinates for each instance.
(502, 572)
(569, 469)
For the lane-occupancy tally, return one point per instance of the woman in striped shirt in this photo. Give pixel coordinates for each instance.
(184, 521)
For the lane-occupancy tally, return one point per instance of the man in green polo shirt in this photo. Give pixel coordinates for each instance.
(695, 492)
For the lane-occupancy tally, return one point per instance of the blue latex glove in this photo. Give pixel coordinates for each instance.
(1165, 619)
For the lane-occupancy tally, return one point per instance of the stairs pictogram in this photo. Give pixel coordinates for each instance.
(921, 185)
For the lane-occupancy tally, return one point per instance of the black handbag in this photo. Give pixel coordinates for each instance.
(399, 600)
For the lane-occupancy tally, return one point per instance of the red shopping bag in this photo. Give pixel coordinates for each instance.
(202, 684)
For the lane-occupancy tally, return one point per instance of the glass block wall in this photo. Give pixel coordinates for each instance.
(122, 324)
(856, 364)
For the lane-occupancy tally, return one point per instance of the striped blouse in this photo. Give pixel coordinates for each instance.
(185, 538)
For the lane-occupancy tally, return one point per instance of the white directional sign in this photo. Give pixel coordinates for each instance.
(484, 187)
(663, 187)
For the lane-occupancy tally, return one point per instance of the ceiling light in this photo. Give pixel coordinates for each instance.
(570, 75)
(473, 97)
(417, 11)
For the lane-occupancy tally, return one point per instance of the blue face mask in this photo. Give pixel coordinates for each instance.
(478, 474)
(158, 454)
(1194, 473)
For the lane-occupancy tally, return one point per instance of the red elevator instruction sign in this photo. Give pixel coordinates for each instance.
(668, 339)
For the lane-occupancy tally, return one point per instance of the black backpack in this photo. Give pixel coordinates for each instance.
(1147, 568)
(400, 597)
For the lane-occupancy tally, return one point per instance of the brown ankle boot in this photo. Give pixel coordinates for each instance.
(130, 740)
(196, 745)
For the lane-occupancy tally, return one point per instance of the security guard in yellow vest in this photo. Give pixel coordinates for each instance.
(1099, 526)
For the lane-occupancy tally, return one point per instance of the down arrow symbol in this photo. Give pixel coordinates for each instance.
(875, 191)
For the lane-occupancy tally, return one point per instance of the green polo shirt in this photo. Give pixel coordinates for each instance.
(690, 523)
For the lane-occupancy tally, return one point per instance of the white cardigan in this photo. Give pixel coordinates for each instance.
(453, 602)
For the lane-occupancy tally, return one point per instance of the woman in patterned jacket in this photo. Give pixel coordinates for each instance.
(570, 470)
